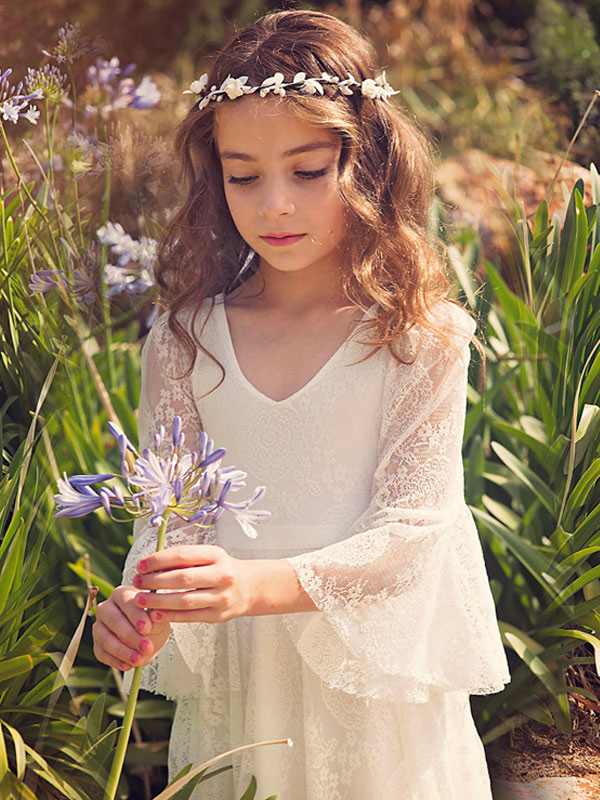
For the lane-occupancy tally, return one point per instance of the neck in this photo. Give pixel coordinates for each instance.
(296, 292)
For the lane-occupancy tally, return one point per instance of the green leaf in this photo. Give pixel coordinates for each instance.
(580, 492)
(19, 744)
(528, 650)
(529, 478)
(536, 562)
(144, 709)
(250, 792)
(94, 718)
(15, 666)
(576, 634)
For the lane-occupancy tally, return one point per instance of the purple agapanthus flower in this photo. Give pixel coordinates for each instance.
(126, 247)
(44, 280)
(13, 101)
(121, 90)
(71, 502)
(191, 485)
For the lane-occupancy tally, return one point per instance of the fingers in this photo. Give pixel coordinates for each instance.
(180, 601)
(110, 649)
(194, 606)
(180, 557)
(106, 658)
(211, 615)
(204, 577)
(124, 597)
(117, 631)
(112, 617)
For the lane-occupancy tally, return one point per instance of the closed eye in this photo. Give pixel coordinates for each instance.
(309, 176)
(306, 175)
(241, 181)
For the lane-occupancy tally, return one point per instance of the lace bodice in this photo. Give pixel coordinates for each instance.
(364, 478)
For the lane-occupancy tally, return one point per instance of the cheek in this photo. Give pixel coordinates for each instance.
(238, 209)
(333, 212)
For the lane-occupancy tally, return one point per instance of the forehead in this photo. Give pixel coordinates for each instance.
(254, 124)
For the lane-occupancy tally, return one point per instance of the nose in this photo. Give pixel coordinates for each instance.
(276, 200)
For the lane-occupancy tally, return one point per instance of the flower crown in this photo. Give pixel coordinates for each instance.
(375, 88)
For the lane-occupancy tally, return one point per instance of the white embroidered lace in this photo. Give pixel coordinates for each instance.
(364, 480)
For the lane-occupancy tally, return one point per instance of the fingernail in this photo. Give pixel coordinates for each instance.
(143, 645)
(124, 666)
(157, 615)
(134, 658)
(141, 599)
(137, 581)
(143, 566)
(141, 626)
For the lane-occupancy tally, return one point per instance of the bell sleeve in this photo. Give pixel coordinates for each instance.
(404, 604)
(163, 395)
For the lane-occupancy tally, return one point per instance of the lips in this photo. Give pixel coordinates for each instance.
(282, 239)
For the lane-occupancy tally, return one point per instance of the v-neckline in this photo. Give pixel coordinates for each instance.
(220, 298)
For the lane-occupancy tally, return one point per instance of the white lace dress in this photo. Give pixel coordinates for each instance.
(364, 480)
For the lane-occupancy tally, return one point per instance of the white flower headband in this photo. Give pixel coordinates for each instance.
(375, 88)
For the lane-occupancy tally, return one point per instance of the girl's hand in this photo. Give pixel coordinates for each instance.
(198, 583)
(124, 635)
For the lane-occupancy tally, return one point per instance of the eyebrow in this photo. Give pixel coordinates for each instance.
(304, 148)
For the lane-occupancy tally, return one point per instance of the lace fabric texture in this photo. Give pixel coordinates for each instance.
(364, 480)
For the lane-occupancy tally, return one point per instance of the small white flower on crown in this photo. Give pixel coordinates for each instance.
(374, 88)
(276, 84)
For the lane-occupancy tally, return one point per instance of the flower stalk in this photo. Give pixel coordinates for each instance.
(193, 486)
(125, 733)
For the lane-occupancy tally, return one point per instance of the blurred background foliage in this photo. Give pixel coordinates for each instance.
(488, 73)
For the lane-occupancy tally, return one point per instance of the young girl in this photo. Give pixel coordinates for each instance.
(309, 332)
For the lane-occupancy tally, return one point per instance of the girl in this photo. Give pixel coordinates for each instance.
(360, 619)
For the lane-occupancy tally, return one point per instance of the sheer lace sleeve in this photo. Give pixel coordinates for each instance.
(405, 602)
(162, 397)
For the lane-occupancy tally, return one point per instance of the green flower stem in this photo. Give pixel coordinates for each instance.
(49, 140)
(117, 765)
(23, 185)
(103, 259)
(71, 156)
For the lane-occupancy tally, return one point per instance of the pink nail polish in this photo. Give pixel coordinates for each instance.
(157, 615)
(143, 645)
(137, 580)
(134, 658)
(141, 599)
(141, 626)
(143, 566)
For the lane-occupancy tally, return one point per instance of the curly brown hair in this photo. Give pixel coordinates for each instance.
(385, 179)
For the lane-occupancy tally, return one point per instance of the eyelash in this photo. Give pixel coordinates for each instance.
(303, 174)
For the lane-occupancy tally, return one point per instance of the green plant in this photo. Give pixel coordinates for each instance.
(532, 442)
(566, 48)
